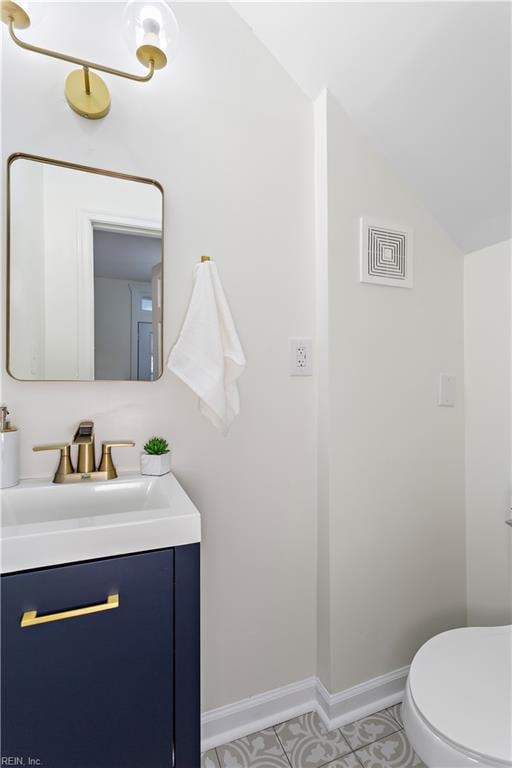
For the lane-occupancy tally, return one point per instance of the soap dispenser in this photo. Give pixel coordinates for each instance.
(9, 451)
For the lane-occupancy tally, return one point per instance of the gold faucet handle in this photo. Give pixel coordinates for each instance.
(106, 463)
(65, 466)
(52, 447)
(107, 444)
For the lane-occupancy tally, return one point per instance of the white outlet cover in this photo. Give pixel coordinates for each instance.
(447, 390)
(300, 356)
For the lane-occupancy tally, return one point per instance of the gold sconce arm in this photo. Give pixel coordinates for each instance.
(81, 62)
(86, 92)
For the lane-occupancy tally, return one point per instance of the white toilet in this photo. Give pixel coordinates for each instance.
(457, 709)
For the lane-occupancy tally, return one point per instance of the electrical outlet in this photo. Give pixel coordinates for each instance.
(300, 357)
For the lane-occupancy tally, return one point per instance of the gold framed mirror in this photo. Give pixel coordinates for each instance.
(85, 268)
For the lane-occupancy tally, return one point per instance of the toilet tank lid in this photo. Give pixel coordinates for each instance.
(461, 681)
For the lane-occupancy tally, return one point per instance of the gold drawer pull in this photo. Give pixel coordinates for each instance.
(30, 618)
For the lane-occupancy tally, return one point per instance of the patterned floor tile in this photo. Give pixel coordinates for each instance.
(260, 750)
(369, 729)
(209, 759)
(350, 761)
(308, 743)
(391, 752)
(396, 713)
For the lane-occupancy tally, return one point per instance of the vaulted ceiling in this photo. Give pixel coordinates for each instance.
(429, 84)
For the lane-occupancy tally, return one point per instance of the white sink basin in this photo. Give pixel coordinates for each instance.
(44, 524)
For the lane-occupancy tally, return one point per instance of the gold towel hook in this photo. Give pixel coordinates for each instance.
(205, 258)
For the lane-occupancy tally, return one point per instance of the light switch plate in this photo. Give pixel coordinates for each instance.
(300, 356)
(447, 390)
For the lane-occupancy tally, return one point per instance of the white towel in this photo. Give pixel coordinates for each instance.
(208, 355)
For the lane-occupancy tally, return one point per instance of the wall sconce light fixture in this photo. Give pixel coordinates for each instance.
(151, 28)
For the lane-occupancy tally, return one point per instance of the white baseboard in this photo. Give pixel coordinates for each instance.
(219, 726)
(337, 709)
(222, 725)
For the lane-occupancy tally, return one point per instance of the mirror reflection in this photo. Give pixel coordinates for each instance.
(86, 264)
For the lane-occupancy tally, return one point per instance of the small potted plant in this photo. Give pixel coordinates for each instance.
(156, 459)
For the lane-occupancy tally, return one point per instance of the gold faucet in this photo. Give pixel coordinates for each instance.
(86, 466)
(84, 438)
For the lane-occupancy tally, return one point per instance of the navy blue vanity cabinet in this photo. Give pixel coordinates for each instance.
(116, 684)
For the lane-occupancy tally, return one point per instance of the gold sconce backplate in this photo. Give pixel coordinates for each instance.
(93, 104)
(20, 19)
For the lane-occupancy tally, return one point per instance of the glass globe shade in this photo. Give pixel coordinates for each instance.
(150, 24)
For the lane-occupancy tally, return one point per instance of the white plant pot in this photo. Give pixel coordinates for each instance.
(155, 465)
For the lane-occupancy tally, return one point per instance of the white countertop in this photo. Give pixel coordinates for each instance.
(45, 524)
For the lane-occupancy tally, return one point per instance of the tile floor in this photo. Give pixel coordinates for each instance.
(378, 741)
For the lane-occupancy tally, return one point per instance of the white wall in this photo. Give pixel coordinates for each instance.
(392, 523)
(488, 337)
(230, 137)
(408, 75)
